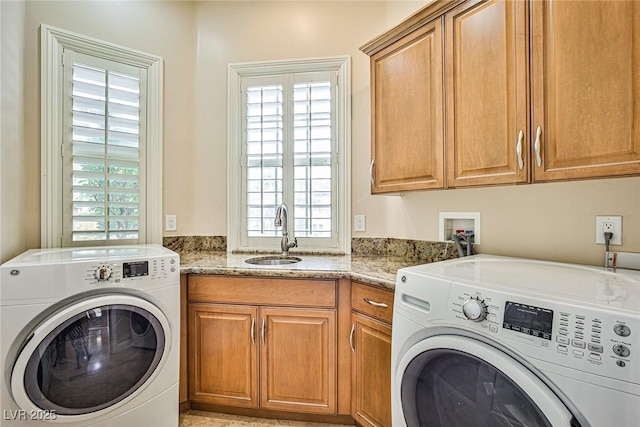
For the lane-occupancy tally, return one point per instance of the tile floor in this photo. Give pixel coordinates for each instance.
(211, 419)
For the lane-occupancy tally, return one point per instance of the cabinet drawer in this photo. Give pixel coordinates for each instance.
(262, 291)
(372, 301)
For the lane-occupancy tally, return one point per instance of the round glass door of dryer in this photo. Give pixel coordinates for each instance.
(88, 358)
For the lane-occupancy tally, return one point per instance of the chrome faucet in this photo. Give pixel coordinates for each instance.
(281, 221)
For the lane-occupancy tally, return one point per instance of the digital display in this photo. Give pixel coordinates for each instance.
(527, 319)
(135, 269)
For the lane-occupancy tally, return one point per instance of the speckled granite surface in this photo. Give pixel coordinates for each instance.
(195, 243)
(375, 261)
(418, 249)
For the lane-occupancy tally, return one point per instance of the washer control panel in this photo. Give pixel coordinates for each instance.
(602, 342)
(122, 272)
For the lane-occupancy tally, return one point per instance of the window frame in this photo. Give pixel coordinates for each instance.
(339, 64)
(53, 43)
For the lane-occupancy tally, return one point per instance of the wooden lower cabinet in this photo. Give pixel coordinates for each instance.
(370, 341)
(262, 357)
(371, 370)
(298, 359)
(224, 355)
(183, 394)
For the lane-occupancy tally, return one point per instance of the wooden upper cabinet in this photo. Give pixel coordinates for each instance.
(407, 112)
(486, 93)
(586, 88)
(489, 92)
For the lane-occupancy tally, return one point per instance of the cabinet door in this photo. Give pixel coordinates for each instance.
(223, 355)
(298, 360)
(486, 93)
(407, 117)
(371, 368)
(586, 88)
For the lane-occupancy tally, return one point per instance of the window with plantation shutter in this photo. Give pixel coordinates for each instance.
(101, 142)
(288, 145)
(104, 150)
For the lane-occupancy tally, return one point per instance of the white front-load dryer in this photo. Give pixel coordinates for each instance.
(488, 341)
(70, 355)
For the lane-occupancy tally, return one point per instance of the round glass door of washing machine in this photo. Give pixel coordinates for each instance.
(87, 358)
(452, 381)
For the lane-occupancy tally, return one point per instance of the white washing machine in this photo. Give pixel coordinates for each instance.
(90, 337)
(494, 341)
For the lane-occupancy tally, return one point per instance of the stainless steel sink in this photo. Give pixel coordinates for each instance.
(273, 260)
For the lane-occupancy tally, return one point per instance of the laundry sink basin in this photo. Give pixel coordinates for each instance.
(273, 260)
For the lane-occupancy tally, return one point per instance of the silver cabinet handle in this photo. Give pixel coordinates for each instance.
(353, 329)
(262, 330)
(253, 331)
(376, 304)
(371, 171)
(519, 149)
(536, 146)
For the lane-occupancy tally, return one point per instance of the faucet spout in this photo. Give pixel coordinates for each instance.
(282, 214)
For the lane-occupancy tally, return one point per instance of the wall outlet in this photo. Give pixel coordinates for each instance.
(609, 224)
(170, 223)
(359, 223)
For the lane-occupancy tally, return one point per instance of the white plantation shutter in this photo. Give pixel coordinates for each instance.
(103, 151)
(313, 148)
(289, 154)
(264, 152)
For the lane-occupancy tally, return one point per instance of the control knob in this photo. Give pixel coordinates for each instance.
(474, 309)
(621, 350)
(621, 330)
(103, 273)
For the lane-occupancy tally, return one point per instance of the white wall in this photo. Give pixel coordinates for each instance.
(13, 163)
(554, 221)
(165, 28)
(198, 40)
(232, 32)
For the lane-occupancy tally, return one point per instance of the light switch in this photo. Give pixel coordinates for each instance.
(359, 223)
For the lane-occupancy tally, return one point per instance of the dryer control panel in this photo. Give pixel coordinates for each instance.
(585, 338)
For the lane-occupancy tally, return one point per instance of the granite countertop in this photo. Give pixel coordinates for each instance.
(374, 270)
